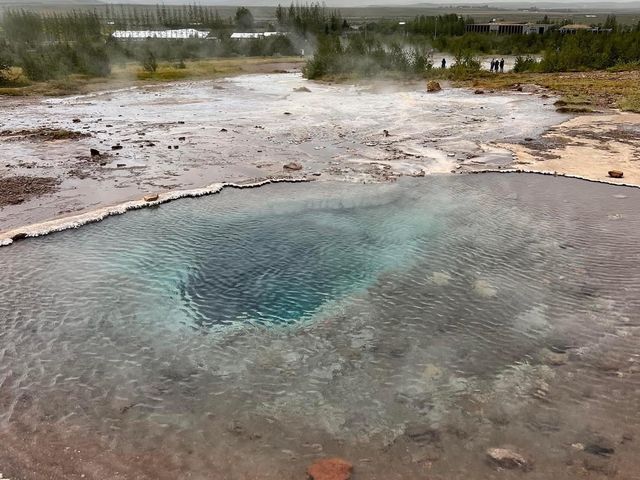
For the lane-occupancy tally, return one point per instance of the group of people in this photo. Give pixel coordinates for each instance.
(497, 65)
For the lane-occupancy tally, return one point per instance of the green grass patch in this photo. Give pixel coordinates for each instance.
(630, 103)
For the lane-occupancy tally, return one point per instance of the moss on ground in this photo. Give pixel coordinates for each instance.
(132, 74)
(580, 92)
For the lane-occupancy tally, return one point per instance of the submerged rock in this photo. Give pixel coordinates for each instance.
(600, 446)
(302, 90)
(433, 87)
(440, 278)
(484, 289)
(506, 458)
(422, 433)
(330, 469)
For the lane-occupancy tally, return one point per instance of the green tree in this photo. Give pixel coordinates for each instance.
(149, 62)
(244, 18)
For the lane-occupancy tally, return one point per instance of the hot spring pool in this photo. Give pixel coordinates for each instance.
(406, 327)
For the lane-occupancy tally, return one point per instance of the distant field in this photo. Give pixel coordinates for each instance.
(358, 14)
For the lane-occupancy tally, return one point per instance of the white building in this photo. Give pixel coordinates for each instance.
(251, 35)
(164, 34)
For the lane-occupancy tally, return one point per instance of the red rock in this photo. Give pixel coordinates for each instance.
(330, 469)
(433, 87)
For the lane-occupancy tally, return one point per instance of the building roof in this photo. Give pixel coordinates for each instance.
(576, 27)
(168, 34)
(240, 35)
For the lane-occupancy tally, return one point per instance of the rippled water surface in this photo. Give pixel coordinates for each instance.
(406, 327)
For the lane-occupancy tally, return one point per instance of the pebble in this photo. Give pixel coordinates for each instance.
(506, 458)
(330, 469)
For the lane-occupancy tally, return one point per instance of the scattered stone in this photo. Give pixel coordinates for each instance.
(422, 433)
(302, 90)
(181, 122)
(600, 446)
(117, 147)
(76, 120)
(94, 152)
(479, 92)
(169, 147)
(293, 166)
(182, 139)
(287, 113)
(528, 139)
(616, 173)
(330, 469)
(505, 458)
(224, 130)
(433, 86)
(386, 133)
(120, 165)
(176, 147)
(152, 197)
(151, 144)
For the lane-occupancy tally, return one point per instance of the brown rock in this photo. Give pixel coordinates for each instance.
(616, 173)
(152, 197)
(330, 469)
(433, 86)
(505, 458)
(292, 166)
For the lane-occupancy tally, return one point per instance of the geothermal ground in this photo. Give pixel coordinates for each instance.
(465, 313)
(158, 138)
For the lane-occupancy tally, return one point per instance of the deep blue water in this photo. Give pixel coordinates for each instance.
(254, 323)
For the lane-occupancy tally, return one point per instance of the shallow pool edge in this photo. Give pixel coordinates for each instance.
(93, 216)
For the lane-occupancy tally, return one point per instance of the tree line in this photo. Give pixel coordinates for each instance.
(48, 45)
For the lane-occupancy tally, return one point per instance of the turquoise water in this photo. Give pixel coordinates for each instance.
(293, 321)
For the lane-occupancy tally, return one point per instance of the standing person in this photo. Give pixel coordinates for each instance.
(502, 65)
(444, 63)
(493, 64)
